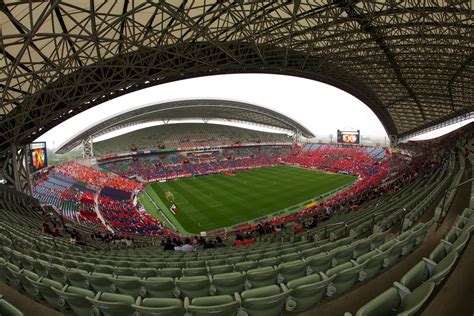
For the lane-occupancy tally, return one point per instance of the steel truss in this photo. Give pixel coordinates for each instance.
(411, 62)
(14, 168)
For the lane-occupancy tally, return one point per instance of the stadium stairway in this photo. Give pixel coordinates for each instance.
(457, 291)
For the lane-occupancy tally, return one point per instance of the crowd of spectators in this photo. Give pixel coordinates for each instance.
(153, 168)
(97, 178)
(124, 218)
(191, 244)
(336, 158)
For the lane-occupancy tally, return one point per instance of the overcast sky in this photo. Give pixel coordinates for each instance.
(321, 108)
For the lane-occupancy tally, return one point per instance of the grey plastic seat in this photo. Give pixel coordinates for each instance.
(397, 300)
(393, 251)
(146, 272)
(362, 246)
(292, 270)
(45, 288)
(291, 257)
(112, 304)
(213, 305)
(445, 247)
(261, 277)
(89, 267)
(310, 252)
(372, 262)
(100, 282)
(269, 262)
(11, 275)
(225, 268)
(344, 276)
(228, 283)
(8, 309)
(245, 265)
(76, 277)
(42, 268)
(103, 269)
(124, 271)
(264, 301)
(319, 263)
(234, 260)
(57, 273)
(307, 292)
(427, 270)
(341, 254)
(378, 240)
(195, 271)
(170, 272)
(23, 280)
(196, 264)
(193, 286)
(129, 285)
(216, 262)
(75, 298)
(159, 306)
(159, 287)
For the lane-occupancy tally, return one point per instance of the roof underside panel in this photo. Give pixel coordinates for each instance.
(411, 62)
(205, 109)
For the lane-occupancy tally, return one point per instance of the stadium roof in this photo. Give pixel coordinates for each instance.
(186, 110)
(411, 62)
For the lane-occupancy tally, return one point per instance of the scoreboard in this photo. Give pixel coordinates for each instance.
(38, 156)
(348, 137)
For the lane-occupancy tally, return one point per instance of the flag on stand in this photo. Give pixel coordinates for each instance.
(173, 208)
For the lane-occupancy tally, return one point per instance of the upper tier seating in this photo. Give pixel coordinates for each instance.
(185, 136)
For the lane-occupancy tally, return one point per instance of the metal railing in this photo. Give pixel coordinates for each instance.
(332, 225)
(443, 202)
(375, 215)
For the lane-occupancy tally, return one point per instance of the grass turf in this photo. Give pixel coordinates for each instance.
(214, 201)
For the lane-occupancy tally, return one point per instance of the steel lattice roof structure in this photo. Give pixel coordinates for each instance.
(206, 109)
(410, 61)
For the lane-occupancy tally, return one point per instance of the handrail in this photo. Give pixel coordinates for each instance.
(372, 224)
(443, 201)
(331, 225)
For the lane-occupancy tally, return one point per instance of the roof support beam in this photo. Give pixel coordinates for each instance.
(59, 16)
(122, 25)
(368, 28)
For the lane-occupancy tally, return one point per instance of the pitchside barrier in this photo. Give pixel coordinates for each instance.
(284, 212)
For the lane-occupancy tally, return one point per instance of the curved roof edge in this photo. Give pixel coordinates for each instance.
(230, 110)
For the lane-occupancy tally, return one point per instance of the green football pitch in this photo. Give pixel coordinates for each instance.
(213, 201)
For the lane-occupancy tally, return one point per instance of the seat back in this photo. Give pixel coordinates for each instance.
(229, 283)
(262, 277)
(8, 309)
(213, 305)
(293, 269)
(111, 304)
(415, 300)
(345, 275)
(264, 301)
(160, 287)
(307, 292)
(75, 298)
(382, 304)
(320, 262)
(159, 306)
(194, 286)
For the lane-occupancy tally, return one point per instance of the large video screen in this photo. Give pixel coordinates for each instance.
(38, 156)
(348, 137)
